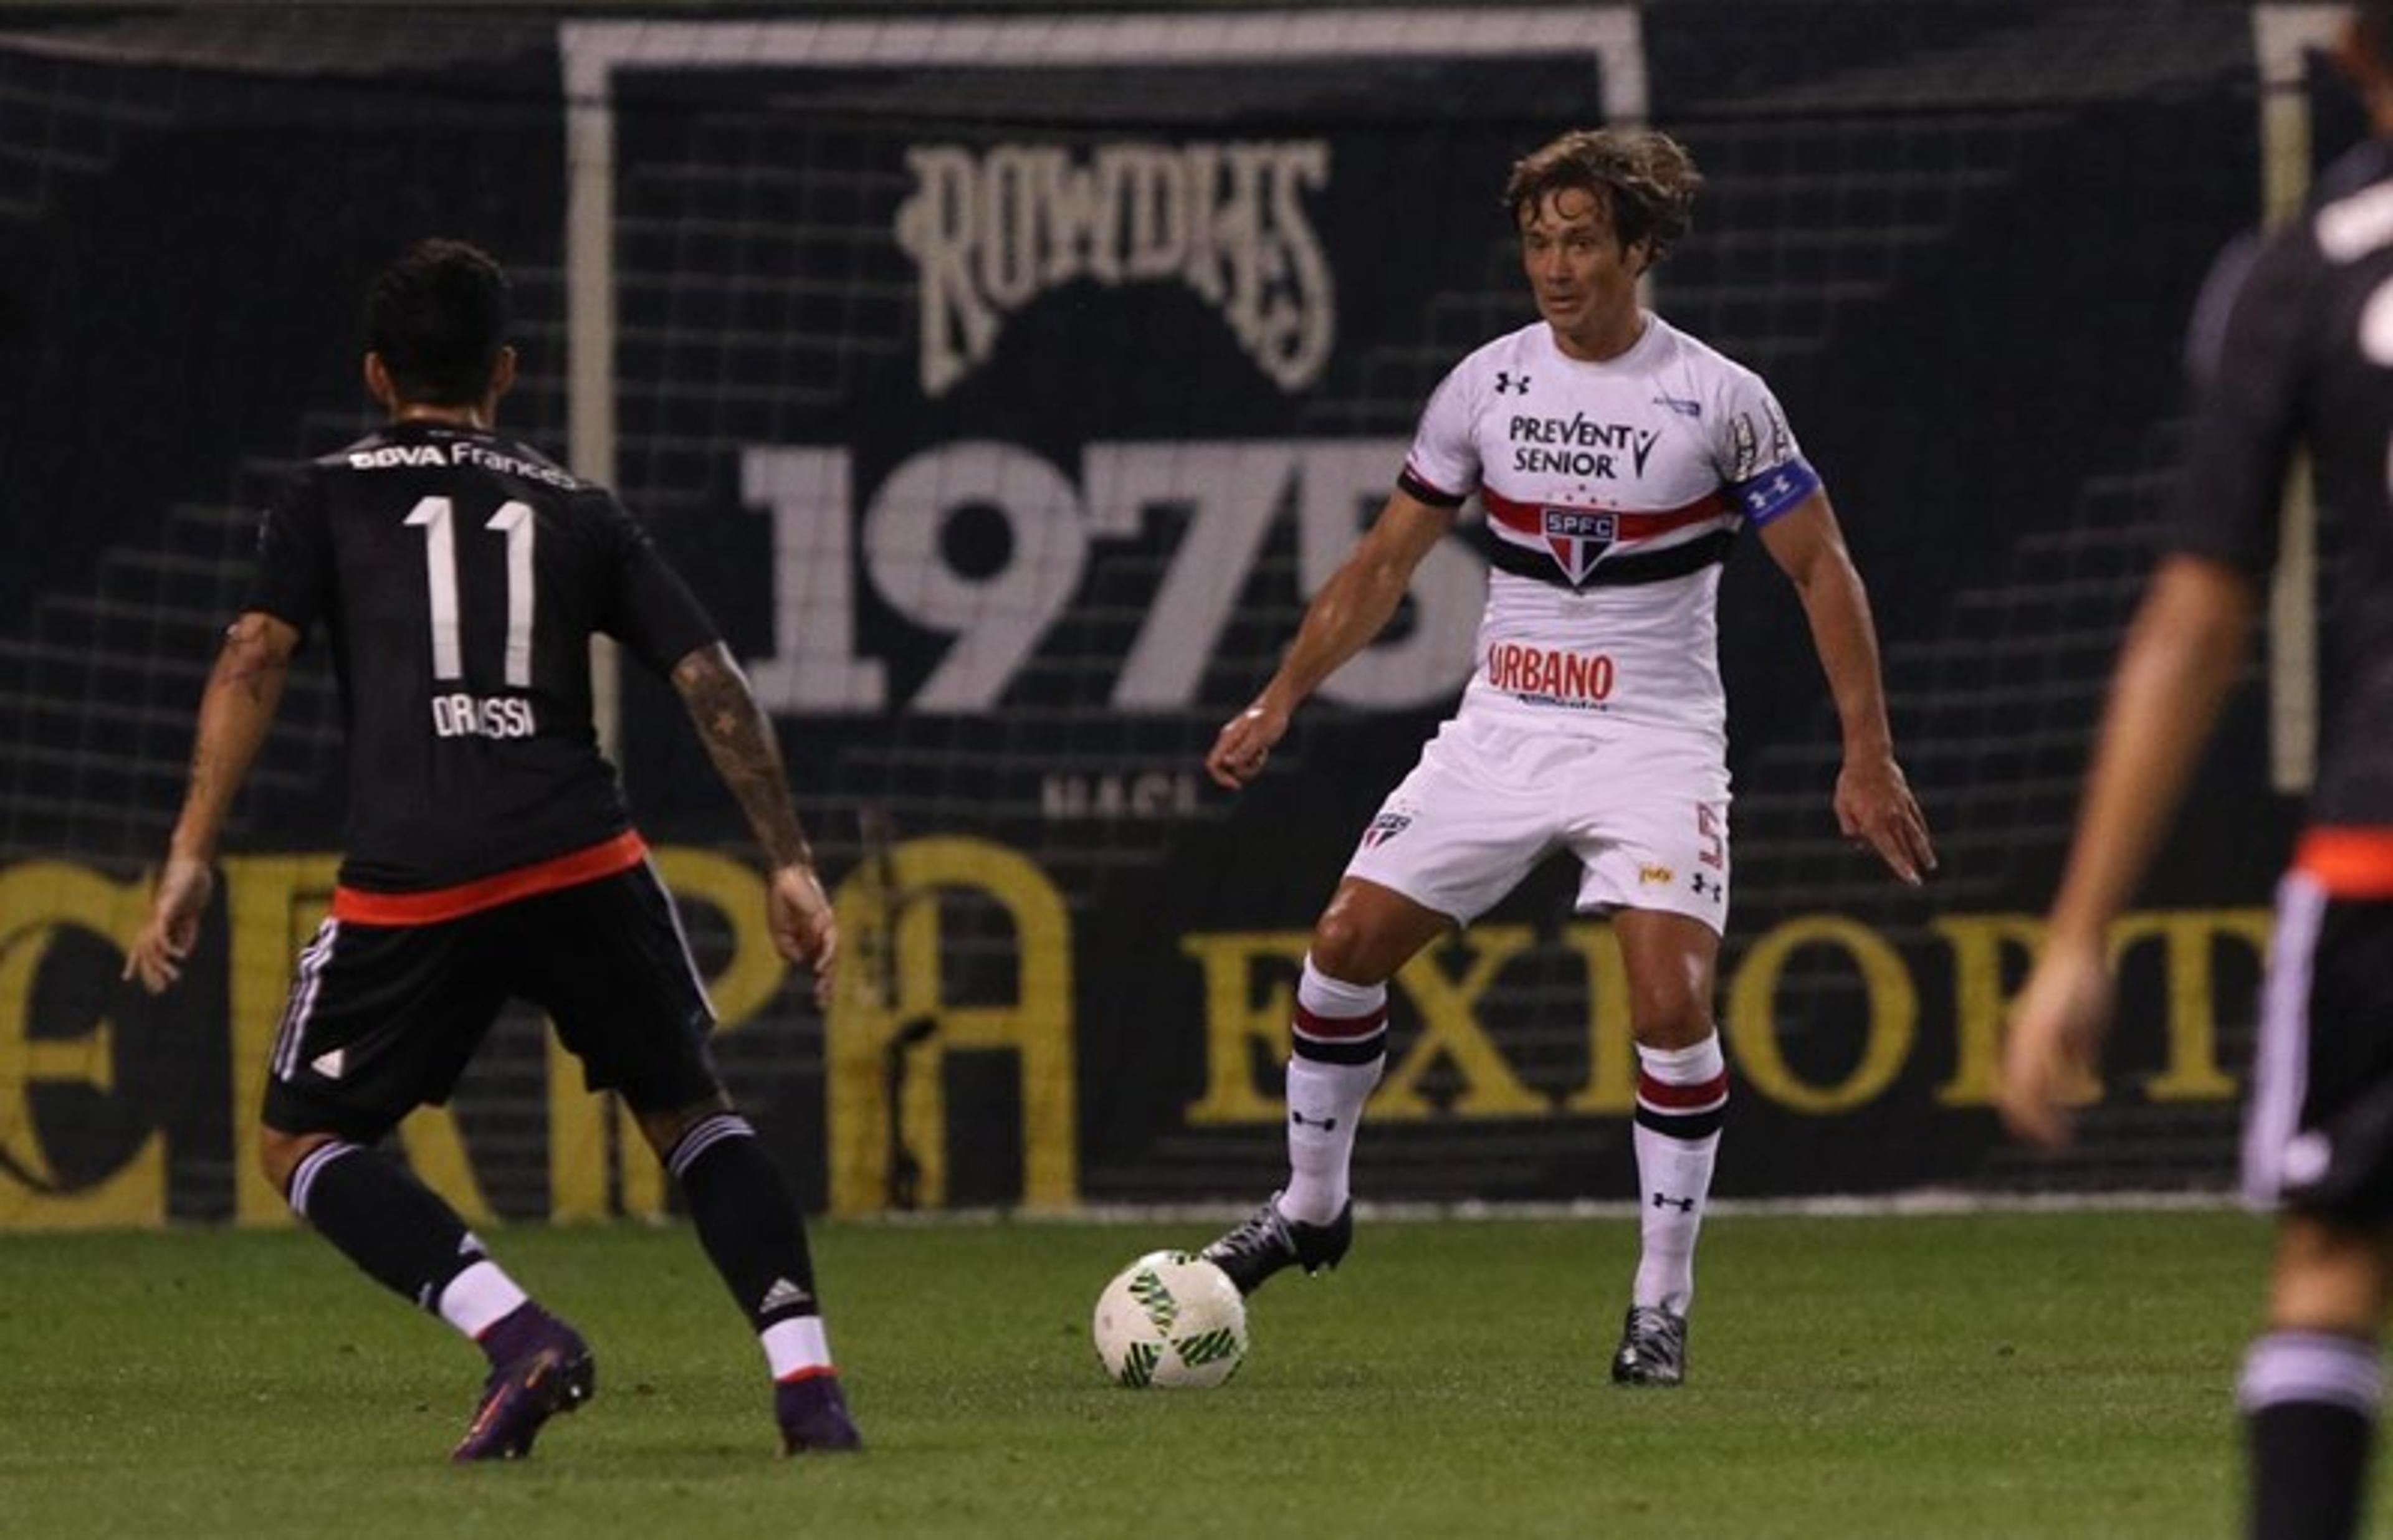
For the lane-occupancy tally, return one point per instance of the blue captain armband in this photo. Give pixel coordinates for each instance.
(1775, 490)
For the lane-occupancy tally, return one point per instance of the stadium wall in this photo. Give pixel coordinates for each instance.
(1005, 382)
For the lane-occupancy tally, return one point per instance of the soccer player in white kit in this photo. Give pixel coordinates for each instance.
(1616, 459)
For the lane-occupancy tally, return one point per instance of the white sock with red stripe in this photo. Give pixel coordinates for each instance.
(797, 1348)
(1341, 1045)
(1681, 1095)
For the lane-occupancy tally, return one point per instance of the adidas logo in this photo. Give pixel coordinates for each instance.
(330, 1066)
(784, 1294)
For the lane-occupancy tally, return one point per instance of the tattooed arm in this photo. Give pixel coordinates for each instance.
(235, 712)
(739, 740)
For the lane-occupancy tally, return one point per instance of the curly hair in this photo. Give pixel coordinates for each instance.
(1646, 177)
(438, 316)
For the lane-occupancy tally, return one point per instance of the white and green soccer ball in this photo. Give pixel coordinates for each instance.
(1171, 1318)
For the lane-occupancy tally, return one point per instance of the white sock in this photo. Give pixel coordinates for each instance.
(1342, 1035)
(796, 1347)
(478, 1297)
(1325, 1105)
(1681, 1093)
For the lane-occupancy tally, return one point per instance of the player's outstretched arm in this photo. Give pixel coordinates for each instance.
(739, 739)
(1874, 800)
(236, 711)
(1352, 607)
(2181, 657)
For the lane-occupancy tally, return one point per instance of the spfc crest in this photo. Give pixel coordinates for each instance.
(1578, 539)
(1386, 827)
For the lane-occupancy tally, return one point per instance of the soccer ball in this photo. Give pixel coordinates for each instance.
(1171, 1318)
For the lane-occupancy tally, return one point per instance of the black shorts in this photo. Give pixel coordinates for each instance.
(2319, 1132)
(383, 1019)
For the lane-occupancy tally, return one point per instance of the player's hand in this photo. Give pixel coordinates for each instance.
(803, 928)
(1244, 746)
(2056, 1033)
(1875, 807)
(172, 927)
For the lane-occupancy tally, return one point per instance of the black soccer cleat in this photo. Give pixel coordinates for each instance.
(1267, 1240)
(523, 1394)
(1653, 1347)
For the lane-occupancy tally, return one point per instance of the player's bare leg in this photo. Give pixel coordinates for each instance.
(401, 1234)
(2313, 1382)
(1339, 1048)
(1681, 1091)
(748, 1221)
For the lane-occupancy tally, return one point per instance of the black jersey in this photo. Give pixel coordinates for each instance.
(2293, 347)
(460, 576)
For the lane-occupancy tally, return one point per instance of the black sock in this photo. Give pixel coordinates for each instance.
(2310, 1403)
(384, 1220)
(747, 1218)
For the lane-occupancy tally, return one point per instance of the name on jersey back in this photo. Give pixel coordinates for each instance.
(492, 716)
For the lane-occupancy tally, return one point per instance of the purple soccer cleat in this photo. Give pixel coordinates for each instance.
(813, 1415)
(549, 1372)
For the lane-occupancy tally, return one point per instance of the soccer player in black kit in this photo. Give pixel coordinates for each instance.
(2291, 347)
(459, 576)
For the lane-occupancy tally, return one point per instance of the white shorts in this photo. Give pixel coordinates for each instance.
(1645, 812)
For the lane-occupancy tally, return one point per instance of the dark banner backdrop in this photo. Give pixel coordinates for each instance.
(1007, 407)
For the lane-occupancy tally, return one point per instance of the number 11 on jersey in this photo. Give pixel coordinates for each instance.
(460, 713)
(434, 515)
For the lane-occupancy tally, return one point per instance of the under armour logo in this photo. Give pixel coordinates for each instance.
(1506, 381)
(1663, 1200)
(1705, 887)
(1760, 498)
(1326, 1125)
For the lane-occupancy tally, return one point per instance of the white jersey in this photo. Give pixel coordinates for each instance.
(1612, 492)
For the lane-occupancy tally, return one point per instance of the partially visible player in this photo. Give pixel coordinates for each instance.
(459, 577)
(1618, 459)
(2291, 348)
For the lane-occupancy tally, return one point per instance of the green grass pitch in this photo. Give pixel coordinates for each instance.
(2008, 1374)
